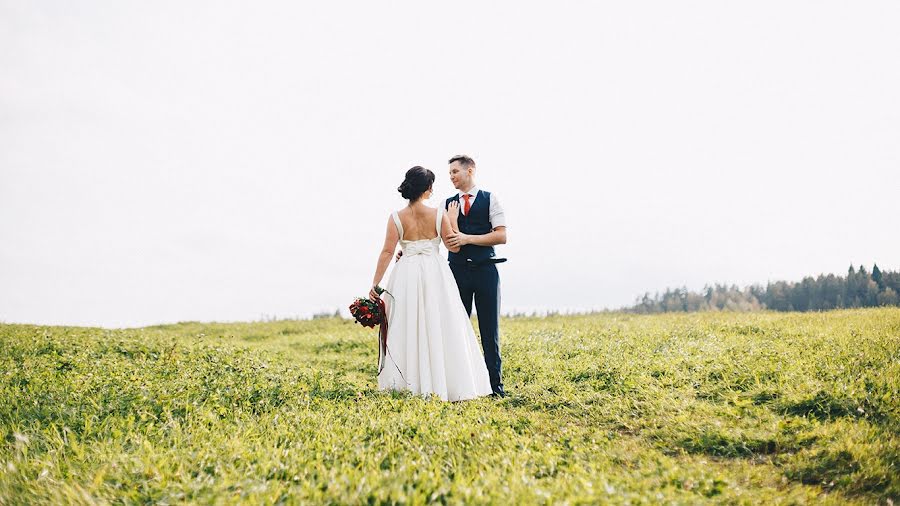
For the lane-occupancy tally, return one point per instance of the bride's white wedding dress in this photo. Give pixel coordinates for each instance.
(431, 345)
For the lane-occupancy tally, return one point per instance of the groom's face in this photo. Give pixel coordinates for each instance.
(460, 176)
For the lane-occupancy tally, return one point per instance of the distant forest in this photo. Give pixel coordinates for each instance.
(859, 288)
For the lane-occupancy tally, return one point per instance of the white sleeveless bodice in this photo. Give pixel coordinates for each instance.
(422, 246)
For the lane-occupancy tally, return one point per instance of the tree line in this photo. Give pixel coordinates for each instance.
(860, 288)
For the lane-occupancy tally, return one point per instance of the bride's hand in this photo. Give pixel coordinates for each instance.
(453, 210)
(373, 295)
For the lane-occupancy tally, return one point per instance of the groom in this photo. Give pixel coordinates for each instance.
(482, 225)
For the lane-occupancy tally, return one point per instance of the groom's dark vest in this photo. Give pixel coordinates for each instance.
(477, 222)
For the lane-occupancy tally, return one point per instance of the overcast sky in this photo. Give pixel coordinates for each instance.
(167, 161)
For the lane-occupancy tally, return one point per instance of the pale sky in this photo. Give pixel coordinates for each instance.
(219, 161)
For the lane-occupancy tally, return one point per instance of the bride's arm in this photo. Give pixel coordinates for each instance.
(453, 213)
(391, 237)
(458, 240)
(447, 230)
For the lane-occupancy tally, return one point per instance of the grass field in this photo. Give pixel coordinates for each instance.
(612, 408)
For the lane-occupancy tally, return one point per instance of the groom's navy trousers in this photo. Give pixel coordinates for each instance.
(482, 283)
(477, 279)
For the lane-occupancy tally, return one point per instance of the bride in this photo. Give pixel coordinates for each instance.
(431, 346)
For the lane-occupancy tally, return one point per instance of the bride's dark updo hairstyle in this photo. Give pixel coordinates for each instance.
(418, 181)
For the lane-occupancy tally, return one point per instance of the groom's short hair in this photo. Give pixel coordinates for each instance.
(464, 160)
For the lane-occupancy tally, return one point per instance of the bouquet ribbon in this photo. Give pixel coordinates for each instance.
(382, 336)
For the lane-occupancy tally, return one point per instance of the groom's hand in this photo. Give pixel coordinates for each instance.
(458, 239)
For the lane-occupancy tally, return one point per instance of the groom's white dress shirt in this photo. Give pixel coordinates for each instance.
(497, 217)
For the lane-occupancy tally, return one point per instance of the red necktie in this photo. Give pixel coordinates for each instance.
(468, 206)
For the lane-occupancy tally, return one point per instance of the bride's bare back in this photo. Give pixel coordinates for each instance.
(418, 223)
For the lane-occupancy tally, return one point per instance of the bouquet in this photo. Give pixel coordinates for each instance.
(369, 313)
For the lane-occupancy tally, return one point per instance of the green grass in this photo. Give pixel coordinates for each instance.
(612, 408)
